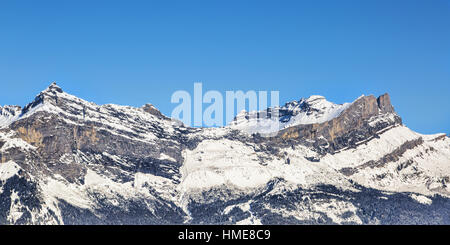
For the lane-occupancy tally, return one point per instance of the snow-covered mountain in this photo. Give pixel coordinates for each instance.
(315, 109)
(64, 160)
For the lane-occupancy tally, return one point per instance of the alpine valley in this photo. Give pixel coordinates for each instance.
(64, 160)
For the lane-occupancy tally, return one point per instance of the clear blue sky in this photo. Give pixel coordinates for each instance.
(134, 52)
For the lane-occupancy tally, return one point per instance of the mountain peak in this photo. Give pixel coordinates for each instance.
(149, 108)
(53, 87)
(50, 94)
(315, 97)
(316, 102)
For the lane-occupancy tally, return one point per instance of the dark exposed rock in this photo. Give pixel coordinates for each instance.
(312, 159)
(152, 110)
(384, 103)
(350, 128)
(27, 195)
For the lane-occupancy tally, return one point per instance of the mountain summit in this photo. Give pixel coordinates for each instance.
(64, 160)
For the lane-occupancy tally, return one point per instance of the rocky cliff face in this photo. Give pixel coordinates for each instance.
(360, 121)
(64, 160)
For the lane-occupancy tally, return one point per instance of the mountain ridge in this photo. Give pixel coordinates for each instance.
(64, 160)
(50, 94)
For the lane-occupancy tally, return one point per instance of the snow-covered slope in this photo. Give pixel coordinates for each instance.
(420, 166)
(315, 109)
(9, 114)
(64, 160)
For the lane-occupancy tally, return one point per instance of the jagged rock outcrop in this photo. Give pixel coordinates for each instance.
(152, 110)
(68, 161)
(384, 103)
(362, 120)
